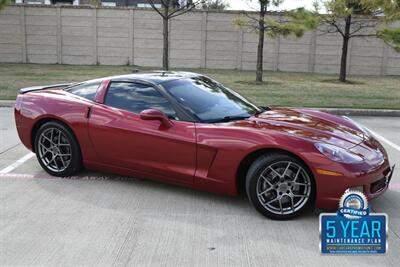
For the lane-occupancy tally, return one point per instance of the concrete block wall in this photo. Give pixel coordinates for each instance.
(77, 36)
(114, 36)
(249, 52)
(147, 40)
(328, 49)
(222, 46)
(295, 53)
(41, 33)
(12, 42)
(186, 41)
(200, 39)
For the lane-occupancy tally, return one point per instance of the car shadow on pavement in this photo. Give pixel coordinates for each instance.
(148, 193)
(161, 190)
(153, 209)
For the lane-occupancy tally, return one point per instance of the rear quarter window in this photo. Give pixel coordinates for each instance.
(86, 90)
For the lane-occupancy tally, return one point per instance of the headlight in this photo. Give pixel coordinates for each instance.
(337, 154)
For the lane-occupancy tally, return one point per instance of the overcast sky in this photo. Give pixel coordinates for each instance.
(287, 4)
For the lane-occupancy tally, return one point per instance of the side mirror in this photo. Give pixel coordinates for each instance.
(154, 114)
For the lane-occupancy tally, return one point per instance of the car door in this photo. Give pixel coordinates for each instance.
(121, 138)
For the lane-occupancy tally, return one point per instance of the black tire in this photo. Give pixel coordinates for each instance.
(70, 165)
(286, 190)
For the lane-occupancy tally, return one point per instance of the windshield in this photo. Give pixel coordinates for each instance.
(210, 101)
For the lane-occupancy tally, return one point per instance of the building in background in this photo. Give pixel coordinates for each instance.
(48, 2)
(132, 3)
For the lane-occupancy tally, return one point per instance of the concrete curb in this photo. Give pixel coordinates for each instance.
(362, 112)
(7, 103)
(336, 111)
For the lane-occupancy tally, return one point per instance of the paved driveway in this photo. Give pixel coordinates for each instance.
(100, 219)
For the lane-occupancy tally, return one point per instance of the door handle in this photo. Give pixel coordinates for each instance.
(89, 110)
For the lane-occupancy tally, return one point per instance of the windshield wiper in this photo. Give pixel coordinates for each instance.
(261, 110)
(229, 118)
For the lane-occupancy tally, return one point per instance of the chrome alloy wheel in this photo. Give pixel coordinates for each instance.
(283, 187)
(54, 149)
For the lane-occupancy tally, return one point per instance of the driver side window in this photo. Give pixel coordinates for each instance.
(136, 97)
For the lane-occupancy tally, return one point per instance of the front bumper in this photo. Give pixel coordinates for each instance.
(373, 183)
(376, 188)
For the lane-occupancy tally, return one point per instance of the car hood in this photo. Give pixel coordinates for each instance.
(307, 124)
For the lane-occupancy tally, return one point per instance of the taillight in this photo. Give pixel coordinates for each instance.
(18, 102)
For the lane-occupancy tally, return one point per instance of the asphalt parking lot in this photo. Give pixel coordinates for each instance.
(102, 220)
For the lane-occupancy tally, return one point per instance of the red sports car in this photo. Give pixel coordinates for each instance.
(190, 130)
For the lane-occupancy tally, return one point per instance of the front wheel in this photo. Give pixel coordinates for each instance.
(57, 150)
(279, 186)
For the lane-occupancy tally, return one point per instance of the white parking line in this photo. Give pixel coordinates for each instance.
(17, 175)
(390, 143)
(17, 163)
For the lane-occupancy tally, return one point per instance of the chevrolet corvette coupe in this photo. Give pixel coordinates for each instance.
(188, 129)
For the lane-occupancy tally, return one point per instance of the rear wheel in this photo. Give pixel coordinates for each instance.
(57, 150)
(279, 186)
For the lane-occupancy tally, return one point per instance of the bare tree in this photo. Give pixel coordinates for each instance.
(283, 24)
(357, 18)
(260, 46)
(169, 9)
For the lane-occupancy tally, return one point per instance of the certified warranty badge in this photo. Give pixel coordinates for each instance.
(353, 229)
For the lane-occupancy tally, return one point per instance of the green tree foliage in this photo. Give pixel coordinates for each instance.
(295, 23)
(390, 11)
(286, 23)
(389, 8)
(96, 3)
(391, 37)
(215, 4)
(360, 18)
(3, 3)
